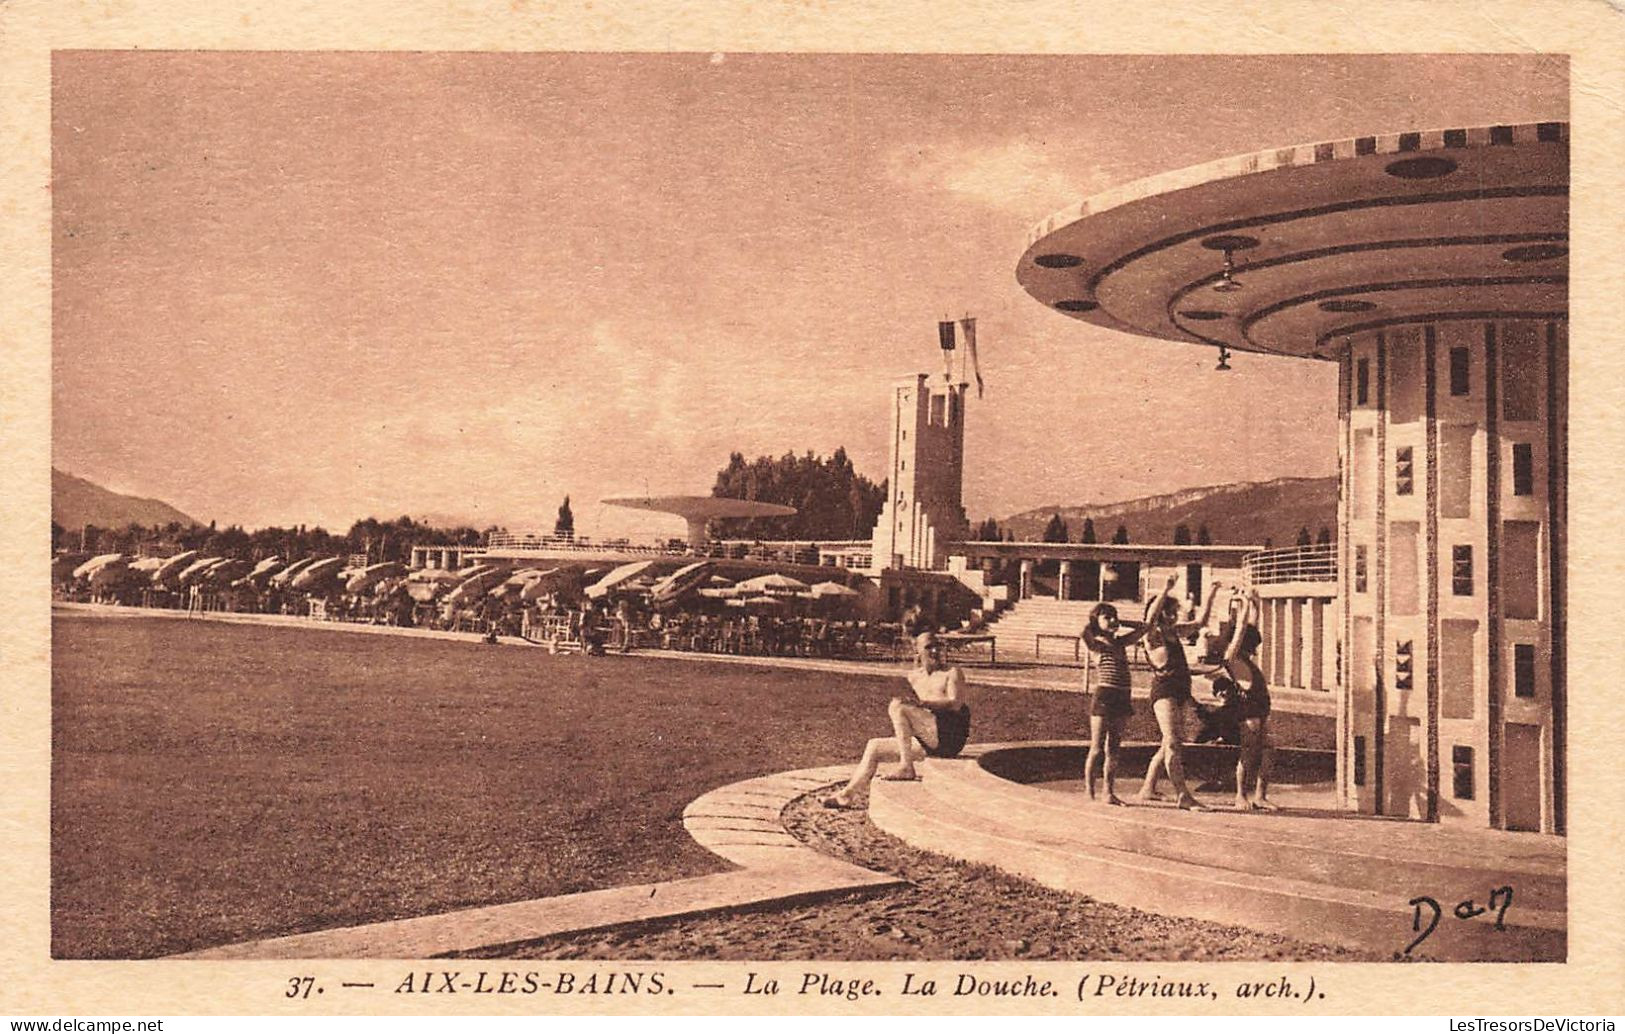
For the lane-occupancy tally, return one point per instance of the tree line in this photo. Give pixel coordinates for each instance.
(832, 500)
(378, 540)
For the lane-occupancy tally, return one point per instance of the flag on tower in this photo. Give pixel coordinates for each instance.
(969, 323)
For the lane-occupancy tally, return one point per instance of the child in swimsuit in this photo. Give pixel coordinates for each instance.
(1111, 706)
(1171, 690)
(1241, 665)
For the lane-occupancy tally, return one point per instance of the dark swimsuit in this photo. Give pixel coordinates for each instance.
(953, 729)
(1255, 695)
(1172, 682)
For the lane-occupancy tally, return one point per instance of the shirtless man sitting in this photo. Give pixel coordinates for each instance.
(935, 723)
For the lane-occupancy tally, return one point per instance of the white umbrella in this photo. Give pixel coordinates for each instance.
(114, 574)
(774, 582)
(833, 589)
(293, 570)
(619, 576)
(263, 572)
(429, 583)
(147, 564)
(367, 577)
(95, 563)
(171, 569)
(224, 572)
(312, 577)
(472, 588)
(196, 568)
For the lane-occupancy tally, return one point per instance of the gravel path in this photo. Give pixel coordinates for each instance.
(951, 910)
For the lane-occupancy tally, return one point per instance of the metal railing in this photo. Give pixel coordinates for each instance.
(1316, 563)
(519, 541)
(855, 554)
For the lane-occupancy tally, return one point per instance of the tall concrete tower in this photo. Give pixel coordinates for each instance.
(924, 508)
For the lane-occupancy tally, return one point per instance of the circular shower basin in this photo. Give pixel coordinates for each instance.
(1298, 777)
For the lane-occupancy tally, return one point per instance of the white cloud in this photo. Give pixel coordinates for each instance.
(1019, 176)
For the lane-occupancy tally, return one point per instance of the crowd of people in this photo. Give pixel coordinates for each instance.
(491, 601)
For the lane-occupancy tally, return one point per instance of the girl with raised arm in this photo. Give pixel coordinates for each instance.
(1108, 640)
(1171, 689)
(1241, 665)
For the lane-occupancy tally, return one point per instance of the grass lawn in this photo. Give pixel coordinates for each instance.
(213, 782)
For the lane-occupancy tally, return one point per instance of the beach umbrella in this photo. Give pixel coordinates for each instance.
(473, 587)
(566, 580)
(225, 572)
(389, 587)
(171, 569)
(680, 581)
(763, 601)
(293, 570)
(425, 585)
(147, 564)
(267, 566)
(263, 572)
(196, 568)
(774, 582)
(317, 576)
(834, 590)
(115, 574)
(616, 578)
(369, 576)
(95, 563)
(718, 580)
(726, 592)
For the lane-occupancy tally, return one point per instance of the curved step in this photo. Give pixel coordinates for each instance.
(1337, 848)
(1027, 840)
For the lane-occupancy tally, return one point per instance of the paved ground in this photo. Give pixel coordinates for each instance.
(947, 910)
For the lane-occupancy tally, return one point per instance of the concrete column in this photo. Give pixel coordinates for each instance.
(1026, 579)
(1064, 591)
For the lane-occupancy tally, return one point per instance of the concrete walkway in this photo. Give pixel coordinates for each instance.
(740, 822)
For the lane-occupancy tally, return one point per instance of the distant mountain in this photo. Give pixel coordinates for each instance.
(1244, 513)
(76, 502)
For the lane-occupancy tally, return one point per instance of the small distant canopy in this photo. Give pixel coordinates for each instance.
(698, 510)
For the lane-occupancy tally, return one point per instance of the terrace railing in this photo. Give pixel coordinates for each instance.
(1317, 563)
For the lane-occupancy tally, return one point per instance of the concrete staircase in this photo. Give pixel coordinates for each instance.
(1018, 628)
(1319, 876)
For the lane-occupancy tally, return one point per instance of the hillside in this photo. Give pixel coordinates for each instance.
(76, 502)
(1245, 513)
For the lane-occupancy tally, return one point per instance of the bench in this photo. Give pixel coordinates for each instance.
(1076, 641)
(955, 640)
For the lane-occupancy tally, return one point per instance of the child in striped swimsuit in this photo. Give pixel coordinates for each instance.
(1108, 641)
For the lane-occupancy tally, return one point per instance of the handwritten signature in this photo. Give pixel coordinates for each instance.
(1499, 901)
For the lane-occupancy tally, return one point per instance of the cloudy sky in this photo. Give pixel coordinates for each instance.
(309, 288)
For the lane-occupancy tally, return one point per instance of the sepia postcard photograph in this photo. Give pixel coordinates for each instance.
(1037, 522)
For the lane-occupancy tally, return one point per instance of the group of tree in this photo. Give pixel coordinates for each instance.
(832, 500)
(1182, 535)
(378, 540)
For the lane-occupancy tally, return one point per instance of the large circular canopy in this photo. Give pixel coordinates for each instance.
(1284, 250)
(698, 509)
(703, 507)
